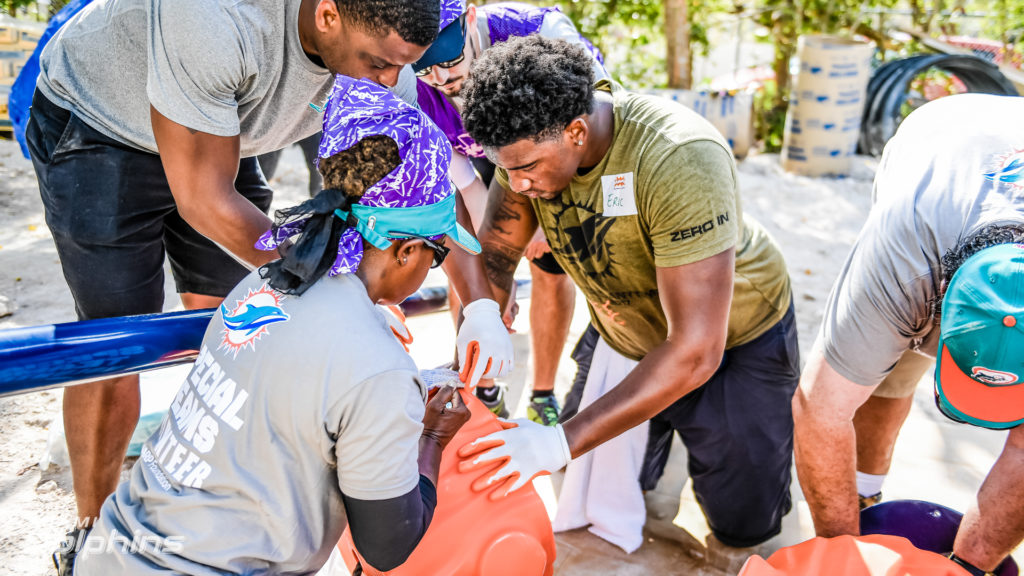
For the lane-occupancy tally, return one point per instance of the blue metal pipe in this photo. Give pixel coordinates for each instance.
(41, 357)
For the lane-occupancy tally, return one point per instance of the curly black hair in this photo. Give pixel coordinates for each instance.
(528, 87)
(347, 175)
(986, 237)
(416, 21)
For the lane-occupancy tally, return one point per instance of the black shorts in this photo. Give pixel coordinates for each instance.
(738, 432)
(113, 218)
(547, 263)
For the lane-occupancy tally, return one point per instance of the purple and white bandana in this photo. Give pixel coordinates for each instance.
(450, 12)
(355, 110)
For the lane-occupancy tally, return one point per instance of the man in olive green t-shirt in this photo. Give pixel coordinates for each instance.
(638, 198)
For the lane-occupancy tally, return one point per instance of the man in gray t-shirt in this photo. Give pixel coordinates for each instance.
(948, 186)
(144, 118)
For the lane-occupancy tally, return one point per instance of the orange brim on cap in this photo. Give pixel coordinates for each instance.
(974, 402)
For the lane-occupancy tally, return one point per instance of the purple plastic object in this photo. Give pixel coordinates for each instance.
(927, 525)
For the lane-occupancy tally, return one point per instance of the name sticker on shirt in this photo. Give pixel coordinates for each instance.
(619, 199)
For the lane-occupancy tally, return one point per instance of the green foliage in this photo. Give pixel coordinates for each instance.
(769, 119)
(630, 33)
(786, 21)
(12, 6)
(1006, 25)
(592, 17)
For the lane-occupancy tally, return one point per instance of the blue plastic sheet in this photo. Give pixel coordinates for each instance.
(21, 93)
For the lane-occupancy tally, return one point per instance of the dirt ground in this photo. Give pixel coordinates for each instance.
(814, 221)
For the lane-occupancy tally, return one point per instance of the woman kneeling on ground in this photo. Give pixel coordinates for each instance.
(303, 413)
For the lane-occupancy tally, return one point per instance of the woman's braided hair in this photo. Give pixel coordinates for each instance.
(347, 175)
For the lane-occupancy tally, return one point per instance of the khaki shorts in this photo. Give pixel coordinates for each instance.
(907, 373)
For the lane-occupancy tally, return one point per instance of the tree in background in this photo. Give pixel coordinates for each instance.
(56, 6)
(1007, 26)
(648, 43)
(787, 20)
(628, 33)
(678, 56)
(13, 6)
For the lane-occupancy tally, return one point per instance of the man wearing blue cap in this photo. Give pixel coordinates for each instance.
(935, 278)
(443, 69)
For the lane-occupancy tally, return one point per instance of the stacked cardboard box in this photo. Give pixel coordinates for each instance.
(730, 112)
(17, 41)
(826, 105)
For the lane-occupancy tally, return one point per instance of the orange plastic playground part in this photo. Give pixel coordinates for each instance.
(874, 555)
(470, 534)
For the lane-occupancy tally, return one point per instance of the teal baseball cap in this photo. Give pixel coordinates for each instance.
(979, 369)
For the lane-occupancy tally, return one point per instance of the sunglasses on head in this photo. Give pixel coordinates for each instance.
(454, 61)
(440, 252)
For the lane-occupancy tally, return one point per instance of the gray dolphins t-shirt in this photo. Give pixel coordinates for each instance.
(292, 401)
(955, 166)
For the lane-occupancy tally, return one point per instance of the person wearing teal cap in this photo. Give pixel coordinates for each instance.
(303, 415)
(979, 370)
(936, 278)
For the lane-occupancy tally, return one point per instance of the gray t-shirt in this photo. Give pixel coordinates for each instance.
(292, 401)
(948, 172)
(225, 67)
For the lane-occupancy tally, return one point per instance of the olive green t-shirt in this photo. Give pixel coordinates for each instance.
(665, 194)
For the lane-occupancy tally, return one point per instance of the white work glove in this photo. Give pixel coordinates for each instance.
(527, 449)
(396, 321)
(484, 347)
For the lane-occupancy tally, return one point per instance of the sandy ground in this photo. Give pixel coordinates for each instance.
(814, 220)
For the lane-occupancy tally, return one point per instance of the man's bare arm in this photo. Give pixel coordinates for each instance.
(465, 270)
(509, 224)
(696, 298)
(201, 170)
(825, 445)
(994, 524)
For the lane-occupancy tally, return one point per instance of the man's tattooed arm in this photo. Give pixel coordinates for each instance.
(508, 226)
(503, 216)
(500, 261)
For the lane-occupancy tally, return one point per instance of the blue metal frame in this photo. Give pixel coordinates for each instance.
(41, 357)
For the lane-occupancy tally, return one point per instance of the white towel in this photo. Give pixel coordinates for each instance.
(335, 565)
(602, 487)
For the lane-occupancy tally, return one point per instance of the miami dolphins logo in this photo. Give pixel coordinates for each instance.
(248, 320)
(1010, 170)
(993, 377)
